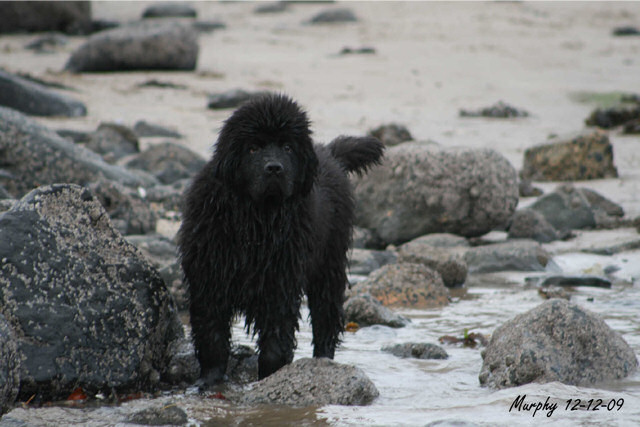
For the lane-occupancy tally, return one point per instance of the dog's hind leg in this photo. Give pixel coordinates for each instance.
(211, 331)
(325, 294)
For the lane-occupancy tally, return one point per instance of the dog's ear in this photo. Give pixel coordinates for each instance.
(308, 169)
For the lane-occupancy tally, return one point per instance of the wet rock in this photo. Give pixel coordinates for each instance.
(143, 128)
(35, 155)
(170, 414)
(391, 134)
(584, 280)
(169, 10)
(527, 189)
(129, 213)
(516, 255)
(626, 31)
(531, 224)
(242, 367)
(172, 275)
(450, 265)
(113, 142)
(159, 250)
(274, 7)
(87, 309)
(601, 204)
(404, 285)
(500, 110)
(418, 190)
(365, 310)
(230, 99)
(9, 367)
(442, 240)
(169, 197)
(363, 261)
(313, 382)
(168, 162)
(632, 127)
(147, 45)
(607, 118)
(587, 156)
(35, 99)
(331, 16)
(566, 208)
(76, 136)
(71, 17)
(47, 43)
(416, 351)
(363, 238)
(556, 341)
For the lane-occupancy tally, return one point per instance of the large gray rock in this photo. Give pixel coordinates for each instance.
(418, 190)
(33, 155)
(87, 309)
(449, 264)
(516, 255)
(531, 224)
(73, 17)
(9, 367)
(146, 45)
(113, 142)
(416, 351)
(556, 341)
(35, 99)
(316, 382)
(567, 208)
(168, 162)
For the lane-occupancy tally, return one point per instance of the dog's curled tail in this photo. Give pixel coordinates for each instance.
(357, 154)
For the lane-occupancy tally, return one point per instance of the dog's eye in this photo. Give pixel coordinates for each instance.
(287, 149)
(253, 149)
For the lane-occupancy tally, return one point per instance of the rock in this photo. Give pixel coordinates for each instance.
(143, 128)
(147, 45)
(172, 275)
(516, 255)
(607, 118)
(76, 136)
(451, 266)
(527, 189)
(71, 17)
(113, 142)
(442, 240)
(418, 191)
(626, 31)
(35, 155)
(35, 99)
(129, 213)
(391, 134)
(567, 208)
(243, 365)
(313, 382)
(47, 43)
(632, 127)
(169, 10)
(587, 156)
(331, 16)
(171, 415)
(274, 7)
(556, 341)
(158, 250)
(416, 351)
(168, 196)
(9, 367)
(208, 26)
(363, 238)
(88, 310)
(584, 280)
(363, 261)
(230, 99)
(365, 310)
(601, 204)
(168, 162)
(499, 110)
(364, 50)
(404, 285)
(531, 224)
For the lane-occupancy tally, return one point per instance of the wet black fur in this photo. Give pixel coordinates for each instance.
(268, 219)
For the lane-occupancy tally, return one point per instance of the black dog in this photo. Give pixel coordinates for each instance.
(268, 218)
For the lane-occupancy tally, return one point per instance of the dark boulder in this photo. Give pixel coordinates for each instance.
(113, 142)
(607, 118)
(416, 351)
(147, 45)
(449, 264)
(35, 99)
(364, 261)
(586, 156)
(169, 10)
(556, 341)
(365, 310)
(143, 128)
(313, 382)
(87, 309)
(418, 190)
(500, 110)
(168, 162)
(531, 224)
(566, 208)
(71, 17)
(331, 16)
(33, 156)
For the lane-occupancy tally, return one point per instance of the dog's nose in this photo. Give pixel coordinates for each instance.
(273, 168)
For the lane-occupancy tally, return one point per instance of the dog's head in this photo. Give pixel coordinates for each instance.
(265, 150)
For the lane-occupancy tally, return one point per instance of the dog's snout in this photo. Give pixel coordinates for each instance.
(273, 168)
